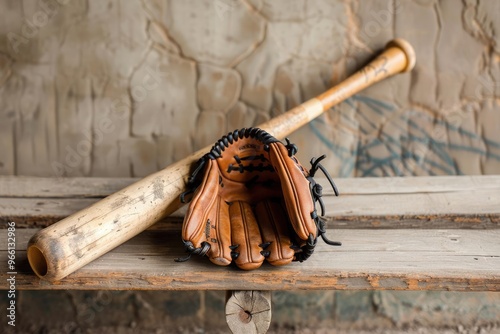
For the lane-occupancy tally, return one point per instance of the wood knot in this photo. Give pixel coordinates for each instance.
(248, 311)
(245, 316)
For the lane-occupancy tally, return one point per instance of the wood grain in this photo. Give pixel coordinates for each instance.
(399, 259)
(410, 202)
(50, 187)
(248, 312)
(64, 187)
(398, 233)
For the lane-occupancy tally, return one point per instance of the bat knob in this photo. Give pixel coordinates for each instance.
(407, 49)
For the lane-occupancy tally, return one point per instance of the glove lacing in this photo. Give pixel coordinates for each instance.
(317, 193)
(219, 147)
(205, 247)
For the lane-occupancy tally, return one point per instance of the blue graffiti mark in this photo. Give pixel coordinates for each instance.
(441, 144)
(374, 102)
(401, 154)
(365, 117)
(337, 149)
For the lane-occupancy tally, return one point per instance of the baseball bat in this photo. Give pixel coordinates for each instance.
(64, 247)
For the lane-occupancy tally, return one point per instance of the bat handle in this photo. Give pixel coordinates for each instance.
(397, 57)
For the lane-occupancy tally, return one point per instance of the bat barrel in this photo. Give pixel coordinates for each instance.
(64, 247)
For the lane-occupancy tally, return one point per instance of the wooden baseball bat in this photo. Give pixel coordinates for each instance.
(64, 247)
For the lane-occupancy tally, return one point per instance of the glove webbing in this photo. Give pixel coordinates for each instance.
(219, 147)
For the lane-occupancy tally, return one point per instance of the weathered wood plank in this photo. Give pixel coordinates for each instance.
(420, 184)
(461, 260)
(381, 211)
(419, 202)
(64, 187)
(478, 208)
(26, 186)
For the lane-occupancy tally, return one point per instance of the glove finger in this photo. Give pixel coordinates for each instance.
(201, 207)
(207, 219)
(274, 226)
(296, 192)
(245, 235)
(218, 234)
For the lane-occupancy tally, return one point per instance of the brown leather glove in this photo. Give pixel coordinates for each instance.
(254, 202)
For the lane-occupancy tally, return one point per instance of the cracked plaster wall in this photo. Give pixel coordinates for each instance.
(124, 88)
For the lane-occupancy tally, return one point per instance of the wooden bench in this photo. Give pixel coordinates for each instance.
(413, 233)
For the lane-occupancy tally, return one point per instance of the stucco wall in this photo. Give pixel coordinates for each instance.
(123, 88)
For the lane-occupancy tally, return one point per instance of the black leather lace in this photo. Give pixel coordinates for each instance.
(317, 193)
(201, 251)
(234, 136)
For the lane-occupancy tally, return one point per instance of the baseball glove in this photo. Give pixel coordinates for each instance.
(254, 202)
